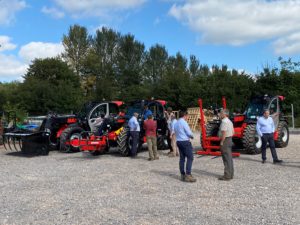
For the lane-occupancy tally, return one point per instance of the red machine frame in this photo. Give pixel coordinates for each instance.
(207, 142)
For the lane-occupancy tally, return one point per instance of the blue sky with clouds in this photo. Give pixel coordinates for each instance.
(244, 34)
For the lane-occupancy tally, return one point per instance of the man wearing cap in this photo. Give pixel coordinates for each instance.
(265, 128)
(134, 127)
(226, 132)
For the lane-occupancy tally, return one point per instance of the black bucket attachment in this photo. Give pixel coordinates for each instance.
(27, 143)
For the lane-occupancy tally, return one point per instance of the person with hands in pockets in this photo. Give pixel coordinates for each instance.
(265, 128)
(226, 133)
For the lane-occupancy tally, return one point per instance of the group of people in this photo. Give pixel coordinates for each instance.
(180, 135)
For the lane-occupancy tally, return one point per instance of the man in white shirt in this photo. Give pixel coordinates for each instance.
(227, 132)
(134, 127)
(173, 136)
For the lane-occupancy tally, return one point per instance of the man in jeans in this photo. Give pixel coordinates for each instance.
(150, 127)
(265, 128)
(226, 133)
(134, 127)
(183, 135)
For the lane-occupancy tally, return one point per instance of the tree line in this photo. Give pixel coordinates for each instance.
(109, 66)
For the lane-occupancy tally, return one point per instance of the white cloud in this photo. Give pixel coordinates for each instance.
(13, 67)
(8, 9)
(55, 13)
(40, 50)
(96, 8)
(5, 44)
(239, 22)
(288, 45)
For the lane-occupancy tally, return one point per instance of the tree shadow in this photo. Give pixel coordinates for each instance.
(283, 164)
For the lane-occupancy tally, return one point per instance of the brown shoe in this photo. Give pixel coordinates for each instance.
(190, 178)
(150, 159)
(156, 157)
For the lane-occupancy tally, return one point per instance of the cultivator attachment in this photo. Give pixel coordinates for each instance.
(89, 142)
(27, 142)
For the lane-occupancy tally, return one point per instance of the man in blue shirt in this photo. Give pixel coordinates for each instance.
(134, 127)
(265, 128)
(183, 135)
(147, 112)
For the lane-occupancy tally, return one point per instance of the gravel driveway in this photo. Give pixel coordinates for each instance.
(110, 189)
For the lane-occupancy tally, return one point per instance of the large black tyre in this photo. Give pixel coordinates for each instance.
(251, 140)
(68, 134)
(212, 130)
(122, 141)
(54, 143)
(283, 135)
(162, 143)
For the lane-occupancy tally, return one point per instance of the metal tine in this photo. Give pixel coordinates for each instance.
(21, 143)
(9, 139)
(16, 139)
(5, 142)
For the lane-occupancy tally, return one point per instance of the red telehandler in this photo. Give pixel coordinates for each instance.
(245, 135)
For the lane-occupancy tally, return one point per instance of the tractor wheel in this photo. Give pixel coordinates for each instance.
(251, 140)
(283, 135)
(212, 130)
(67, 135)
(122, 141)
(54, 143)
(162, 143)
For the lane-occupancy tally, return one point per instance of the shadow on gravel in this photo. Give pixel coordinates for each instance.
(167, 174)
(284, 164)
(206, 173)
(20, 154)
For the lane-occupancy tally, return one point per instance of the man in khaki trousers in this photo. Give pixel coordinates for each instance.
(226, 131)
(173, 136)
(150, 127)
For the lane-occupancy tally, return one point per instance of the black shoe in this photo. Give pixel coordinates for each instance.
(264, 161)
(224, 178)
(277, 161)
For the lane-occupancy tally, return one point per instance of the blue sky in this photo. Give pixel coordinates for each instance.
(244, 34)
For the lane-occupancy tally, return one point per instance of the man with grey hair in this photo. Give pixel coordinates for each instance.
(135, 129)
(226, 133)
(265, 128)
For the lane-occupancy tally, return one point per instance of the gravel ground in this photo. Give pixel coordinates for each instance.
(110, 189)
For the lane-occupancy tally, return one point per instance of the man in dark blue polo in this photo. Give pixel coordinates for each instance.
(265, 128)
(183, 135)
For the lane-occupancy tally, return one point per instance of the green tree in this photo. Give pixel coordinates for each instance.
(76, 45)
(130, 61)
(50, 85)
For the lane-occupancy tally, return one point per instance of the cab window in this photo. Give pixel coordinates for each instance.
(97, 112)
(273, 106)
